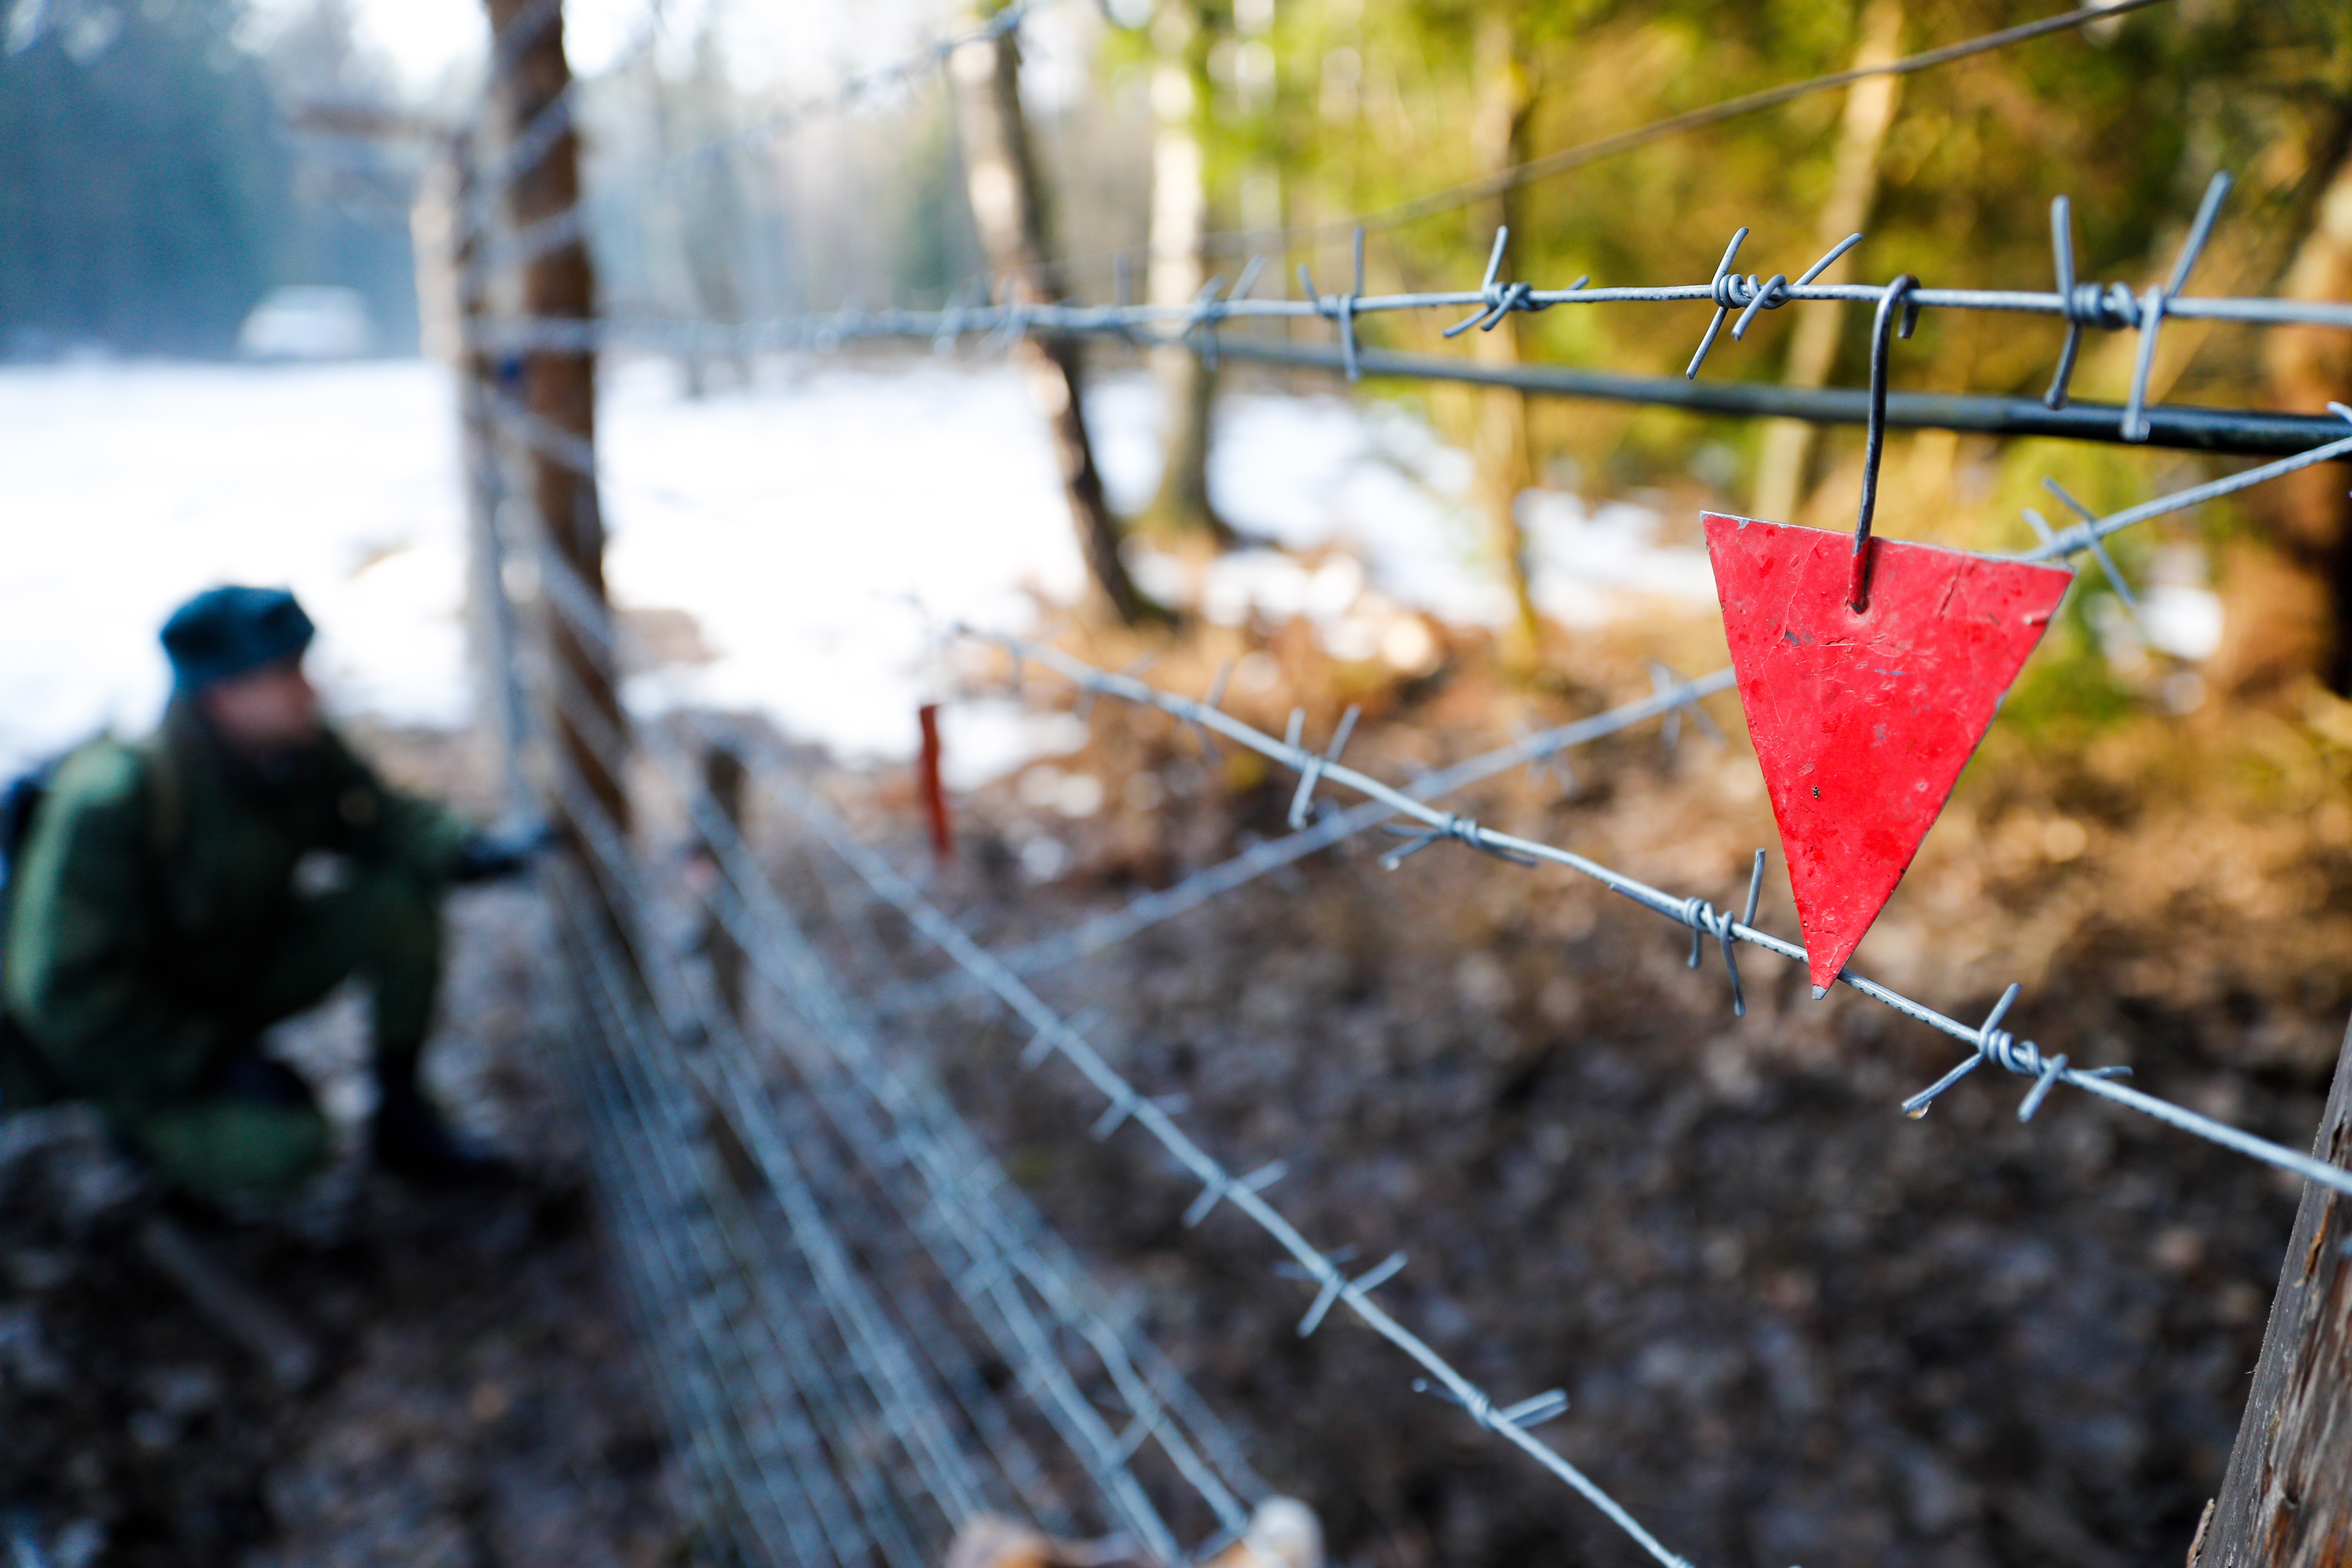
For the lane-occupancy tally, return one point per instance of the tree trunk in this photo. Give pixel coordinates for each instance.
(1180, 218)
(559, 386)
(2286, 1501)
(2286, 623)
(1498, 439)
(1870, 108)
(1008, 207)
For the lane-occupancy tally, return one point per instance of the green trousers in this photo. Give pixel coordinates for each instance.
(384, 927)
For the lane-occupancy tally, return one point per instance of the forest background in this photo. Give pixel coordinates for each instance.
(171, 160)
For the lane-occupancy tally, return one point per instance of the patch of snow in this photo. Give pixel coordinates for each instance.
(821, 525)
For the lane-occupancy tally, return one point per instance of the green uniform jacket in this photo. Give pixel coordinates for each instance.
(158, 876)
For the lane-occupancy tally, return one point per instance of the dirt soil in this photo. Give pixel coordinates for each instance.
(1796, 1327)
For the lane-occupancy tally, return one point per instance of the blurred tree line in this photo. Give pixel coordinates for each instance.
(1311, 113)
(155, 184)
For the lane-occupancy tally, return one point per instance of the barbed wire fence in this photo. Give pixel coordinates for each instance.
(864, 1335)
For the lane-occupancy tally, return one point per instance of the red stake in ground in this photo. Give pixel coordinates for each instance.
(1863, 722)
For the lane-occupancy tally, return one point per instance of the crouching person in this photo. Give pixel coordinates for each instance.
(173, 897)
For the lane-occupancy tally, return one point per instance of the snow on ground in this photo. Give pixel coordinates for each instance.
(820, 525)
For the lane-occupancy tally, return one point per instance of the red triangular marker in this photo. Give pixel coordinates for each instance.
(1861, 723)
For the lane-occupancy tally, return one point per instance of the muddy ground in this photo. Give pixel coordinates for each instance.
(1795, 1326)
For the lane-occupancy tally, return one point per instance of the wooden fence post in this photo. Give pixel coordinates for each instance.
(557, 387)
(722, 779)
(2286, 1501)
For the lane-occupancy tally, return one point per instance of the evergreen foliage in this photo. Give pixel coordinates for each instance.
(146, 178)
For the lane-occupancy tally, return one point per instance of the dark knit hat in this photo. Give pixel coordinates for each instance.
(224, 632)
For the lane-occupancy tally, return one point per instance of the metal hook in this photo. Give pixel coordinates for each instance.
(1857, 595)
(2061, 252)
(2136, 425)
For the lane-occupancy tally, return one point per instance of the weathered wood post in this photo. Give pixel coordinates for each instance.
(556, 387)
(2286, 1501)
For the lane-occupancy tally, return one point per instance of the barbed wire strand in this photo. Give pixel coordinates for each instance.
(1126, 1103)
(2019, 1056)
(537, 139)
(610, 854)
(1096, 1441)
(1240, 241)
(676, 1295)
(1242, 1193)
(1136, 1387)
(799, 983)
(2111, 308)
(1100, 932)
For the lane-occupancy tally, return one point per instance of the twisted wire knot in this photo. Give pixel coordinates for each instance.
(1732, 291)
(1996, 1045)
(1504, 297)
(1530, 1412)
(1495, 301)
(1461, 829)
(2109, 305)
(1705, 920)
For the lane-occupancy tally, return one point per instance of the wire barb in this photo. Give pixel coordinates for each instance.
(1533, 1411)
(1335, 1284)
(1989, 1040)
(2135, 427)
(1313, 770)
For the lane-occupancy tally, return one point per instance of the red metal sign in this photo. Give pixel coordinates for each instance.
(1863, 722)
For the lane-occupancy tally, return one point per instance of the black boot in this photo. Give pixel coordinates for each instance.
(411, 1142)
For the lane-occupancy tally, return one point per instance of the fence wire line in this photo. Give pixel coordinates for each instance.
(1240, 241)
(670, 1280)
(799, 979)
(1093, 935)
(1219, 1185)
(1153, 1393)
(1106, 1454)
(775, 1159)
(1991, 1043)
(876, 1355)
(1333, 1287)
(769, 1492)
(2113, 307)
